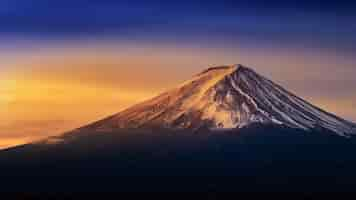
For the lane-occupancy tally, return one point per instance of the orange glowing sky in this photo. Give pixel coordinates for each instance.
(54, 88)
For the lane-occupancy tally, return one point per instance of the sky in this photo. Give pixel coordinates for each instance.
(64, 64)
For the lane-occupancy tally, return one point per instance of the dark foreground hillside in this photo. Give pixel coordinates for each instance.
(251, 159)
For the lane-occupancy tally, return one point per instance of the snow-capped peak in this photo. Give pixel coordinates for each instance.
(227, 97)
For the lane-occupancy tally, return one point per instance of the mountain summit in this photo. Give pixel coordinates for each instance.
(226, 97)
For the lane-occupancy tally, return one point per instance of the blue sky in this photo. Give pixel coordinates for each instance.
(321, 24)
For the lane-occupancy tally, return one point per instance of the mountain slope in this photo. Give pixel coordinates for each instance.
(224, 98)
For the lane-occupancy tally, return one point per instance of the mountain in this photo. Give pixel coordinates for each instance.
(226, 97)
(226, 129)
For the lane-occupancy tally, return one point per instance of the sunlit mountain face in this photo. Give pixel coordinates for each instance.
(226, 97)
(66, 64)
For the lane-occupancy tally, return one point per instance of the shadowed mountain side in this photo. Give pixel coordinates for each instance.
(275, 156)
